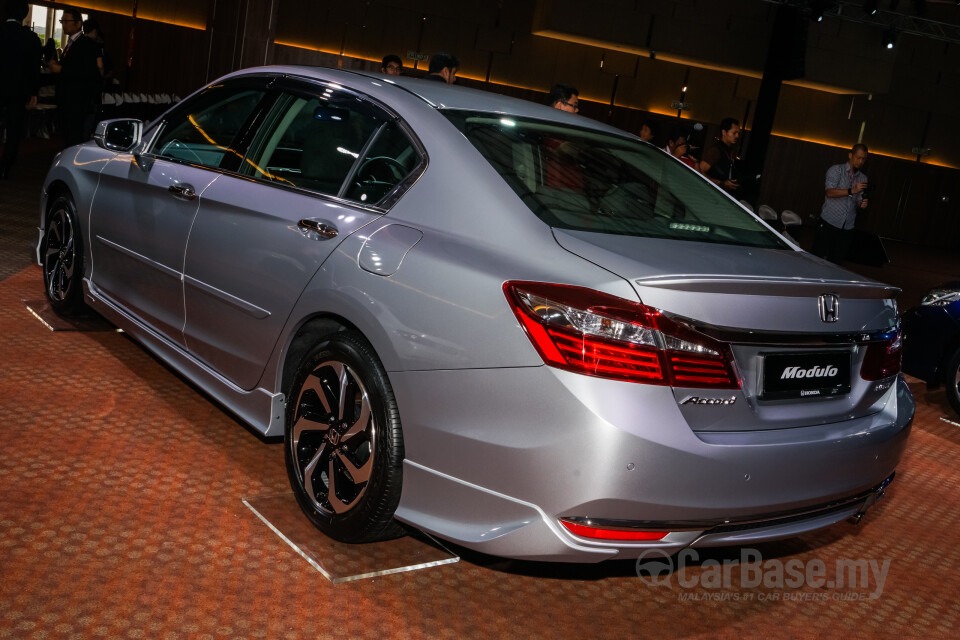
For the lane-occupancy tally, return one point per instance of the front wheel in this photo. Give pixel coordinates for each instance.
(952, 379)
(343, 443)
(62, 253)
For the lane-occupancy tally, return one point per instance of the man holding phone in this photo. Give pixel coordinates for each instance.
(846, 194)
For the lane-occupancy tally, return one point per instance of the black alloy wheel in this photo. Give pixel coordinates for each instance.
(343, 443)
(62, 257)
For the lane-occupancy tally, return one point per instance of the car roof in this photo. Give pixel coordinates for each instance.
(438, 95)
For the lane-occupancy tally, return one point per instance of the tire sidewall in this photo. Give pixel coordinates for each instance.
(950, 381)
(372, 517)
(73, 298)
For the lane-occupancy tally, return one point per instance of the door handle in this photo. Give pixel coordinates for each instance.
(184, 191)
(323, 229)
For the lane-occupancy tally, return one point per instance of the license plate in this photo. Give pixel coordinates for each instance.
(805, 375)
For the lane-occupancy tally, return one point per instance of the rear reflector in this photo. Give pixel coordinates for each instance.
(602, 533)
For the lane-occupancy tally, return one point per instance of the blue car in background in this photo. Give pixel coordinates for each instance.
(931, 348)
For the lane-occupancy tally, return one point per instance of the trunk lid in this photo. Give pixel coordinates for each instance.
(790, 319)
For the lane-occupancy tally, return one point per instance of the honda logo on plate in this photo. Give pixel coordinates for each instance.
(829, 307)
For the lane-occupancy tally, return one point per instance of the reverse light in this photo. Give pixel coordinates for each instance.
(611, 533)
(883, 357)
(596, 334)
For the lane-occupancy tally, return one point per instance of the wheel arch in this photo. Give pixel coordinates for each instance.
(53, 191)
(312, 330)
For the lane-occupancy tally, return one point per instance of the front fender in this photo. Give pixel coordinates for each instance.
(75, 170)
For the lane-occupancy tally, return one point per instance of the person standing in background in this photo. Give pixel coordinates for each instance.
(78, 79)
(444, 67)
(20, 52)
(391, 65)
(565, 97)
(845, 195)
(718, 163)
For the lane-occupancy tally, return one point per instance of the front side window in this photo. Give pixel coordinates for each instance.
(206, 130)
(587, 180)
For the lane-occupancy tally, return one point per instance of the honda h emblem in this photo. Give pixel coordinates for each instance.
(829, 307)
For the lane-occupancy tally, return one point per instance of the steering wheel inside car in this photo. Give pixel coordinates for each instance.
(380, 169)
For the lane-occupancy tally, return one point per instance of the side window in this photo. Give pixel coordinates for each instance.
(206, 129)
(390, 159)
(311, 143)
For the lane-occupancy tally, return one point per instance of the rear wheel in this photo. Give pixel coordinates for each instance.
(343, 443)
(952, 379)
(62, 257)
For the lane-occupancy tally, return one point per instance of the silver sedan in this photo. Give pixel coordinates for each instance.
(518, 329)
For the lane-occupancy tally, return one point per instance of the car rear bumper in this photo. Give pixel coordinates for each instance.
(498, 477)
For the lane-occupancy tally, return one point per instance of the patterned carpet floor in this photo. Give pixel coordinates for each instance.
(122, 516)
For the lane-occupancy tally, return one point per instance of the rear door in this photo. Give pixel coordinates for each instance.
(317, 171)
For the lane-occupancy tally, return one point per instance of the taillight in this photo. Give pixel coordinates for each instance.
(594, 333)
(882, 358)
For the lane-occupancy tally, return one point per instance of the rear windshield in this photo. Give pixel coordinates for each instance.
(592, 181)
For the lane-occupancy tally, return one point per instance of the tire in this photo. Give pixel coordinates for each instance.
(62, 257)
(343, 442)
(951, 379)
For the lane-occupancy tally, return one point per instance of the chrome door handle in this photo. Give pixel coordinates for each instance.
(324, 230)
(184, 191)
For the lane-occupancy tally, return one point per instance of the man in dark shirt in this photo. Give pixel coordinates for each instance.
(444, 67)
(20, 50)
(78, 80)
(565, 97)
(718, 161)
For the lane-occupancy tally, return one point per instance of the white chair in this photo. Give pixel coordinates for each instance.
(747, 205)
(791, 222)
(766, 212)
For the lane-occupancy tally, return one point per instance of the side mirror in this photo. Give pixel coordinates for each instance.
(121, 134)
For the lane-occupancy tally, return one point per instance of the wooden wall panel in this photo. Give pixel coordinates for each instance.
(654, 86)
(223, 43)
(121, 7)
(167, 59)
(299, 56)
(189, 13)
(382, 34)
(532, 63)
(457, 37)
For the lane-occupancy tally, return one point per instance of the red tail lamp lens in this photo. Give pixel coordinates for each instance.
(882, 358)
(602, 533)
(596, 334)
